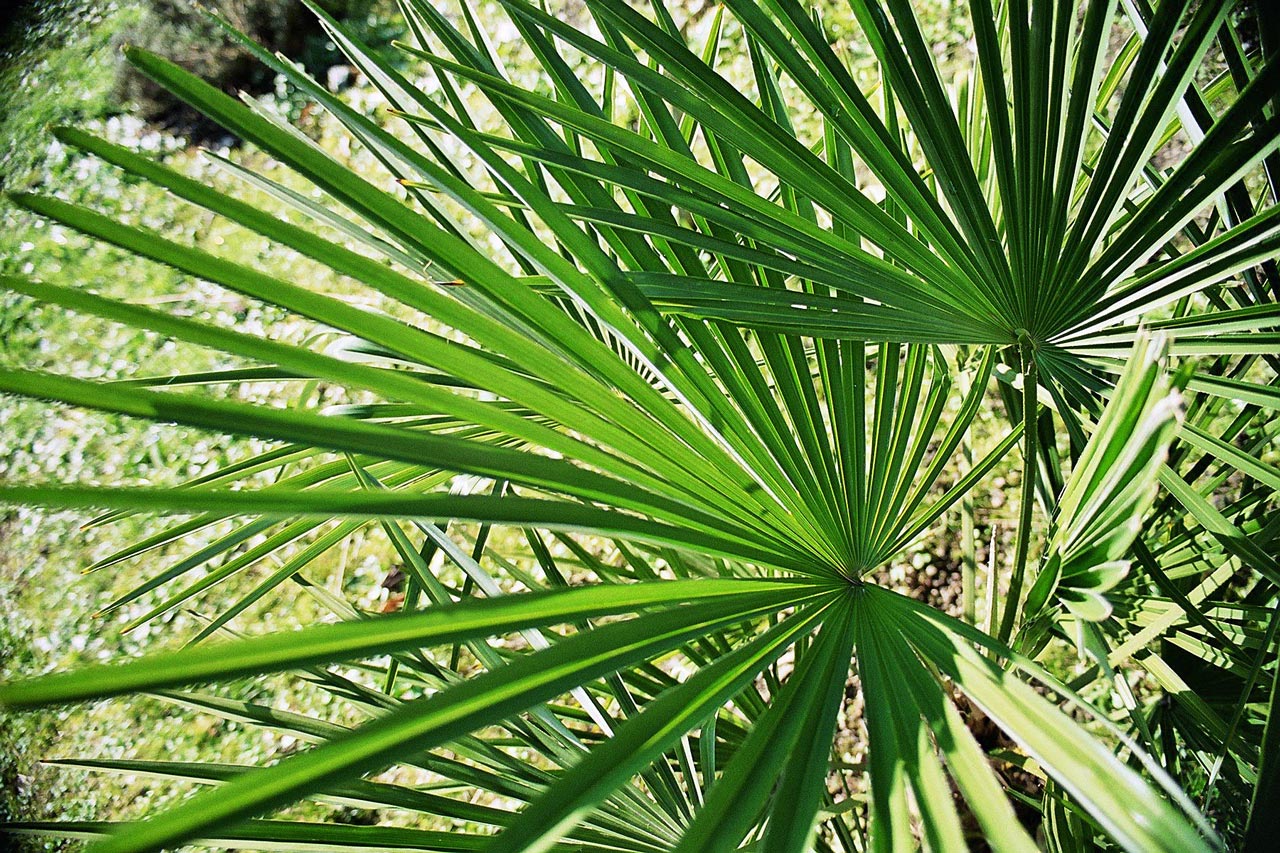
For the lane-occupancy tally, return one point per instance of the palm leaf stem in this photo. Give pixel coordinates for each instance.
(1030, 411)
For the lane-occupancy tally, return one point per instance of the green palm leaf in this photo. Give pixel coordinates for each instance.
(700, 346)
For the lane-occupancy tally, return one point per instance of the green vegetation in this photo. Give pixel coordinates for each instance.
(66, 73)
(766, 442)
(58, 68)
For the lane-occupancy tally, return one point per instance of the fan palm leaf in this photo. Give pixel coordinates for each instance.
(673, 312)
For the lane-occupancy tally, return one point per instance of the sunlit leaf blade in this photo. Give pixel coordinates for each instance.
(353, 640)
(1111, 488)
(1140, 820)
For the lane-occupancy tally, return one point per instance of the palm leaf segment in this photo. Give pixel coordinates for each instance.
(623, 397)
